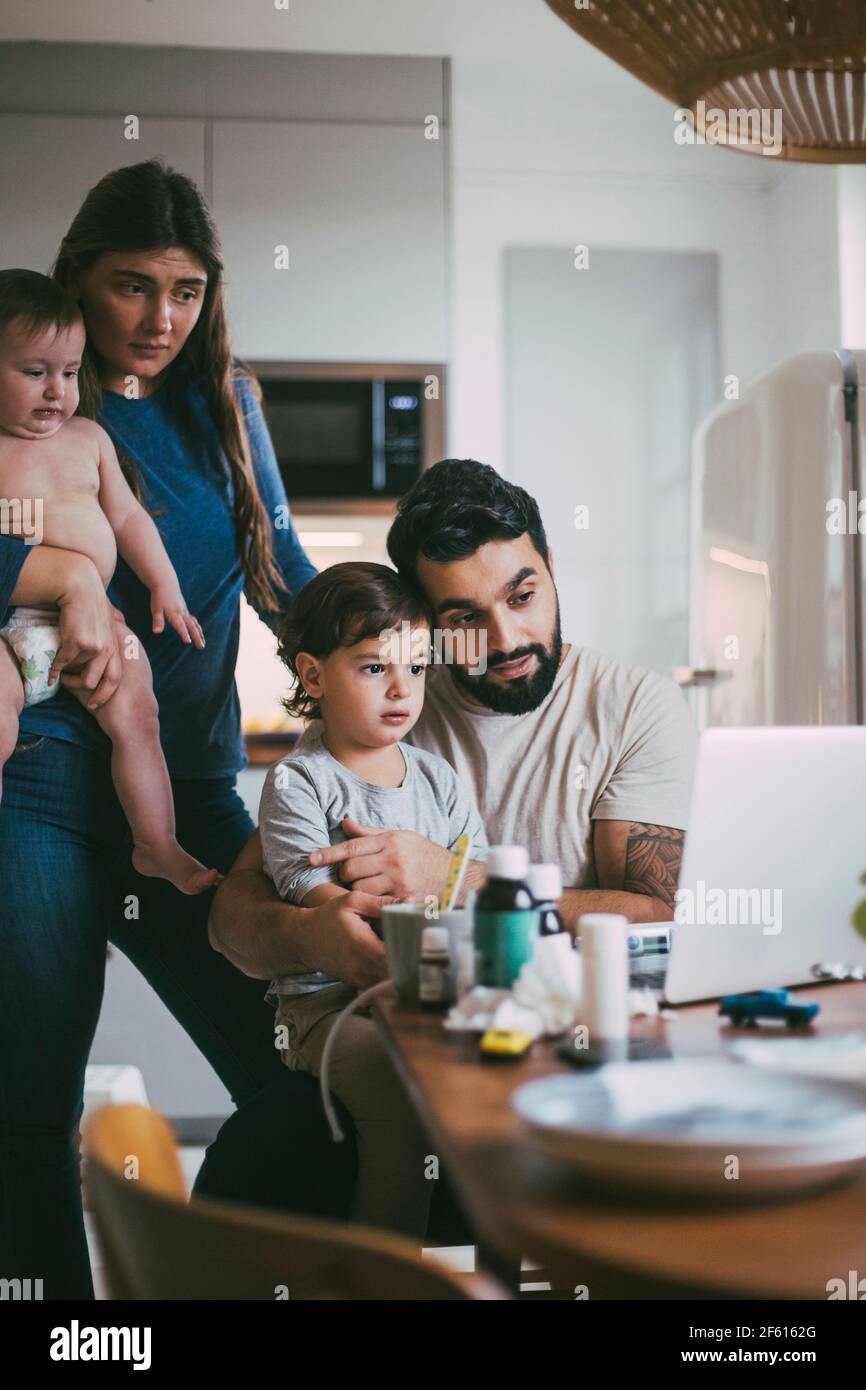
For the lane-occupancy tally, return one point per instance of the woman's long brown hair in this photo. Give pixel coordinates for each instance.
(149, 207)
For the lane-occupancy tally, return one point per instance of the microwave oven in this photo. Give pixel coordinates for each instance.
(345, 433)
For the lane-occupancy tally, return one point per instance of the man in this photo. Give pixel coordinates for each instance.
(585, 761)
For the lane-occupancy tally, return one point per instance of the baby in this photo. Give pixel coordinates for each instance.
(65, 471)
(353, 764)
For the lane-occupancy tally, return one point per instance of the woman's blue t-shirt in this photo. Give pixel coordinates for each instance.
(186, 486)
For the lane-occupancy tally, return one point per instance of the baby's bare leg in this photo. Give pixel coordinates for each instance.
(11, 704)
(131, 720)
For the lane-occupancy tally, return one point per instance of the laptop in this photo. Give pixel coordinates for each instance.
(773, 867)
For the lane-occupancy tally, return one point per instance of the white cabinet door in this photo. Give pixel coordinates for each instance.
(361, 209)
(48, 163)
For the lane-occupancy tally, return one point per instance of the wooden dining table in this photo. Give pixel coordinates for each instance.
(525, 1205)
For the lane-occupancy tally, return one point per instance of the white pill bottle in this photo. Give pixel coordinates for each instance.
(604, 969)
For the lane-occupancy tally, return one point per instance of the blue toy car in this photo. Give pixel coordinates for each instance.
(766, 1003)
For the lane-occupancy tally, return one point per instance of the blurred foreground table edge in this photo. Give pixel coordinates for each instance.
(524, 1204)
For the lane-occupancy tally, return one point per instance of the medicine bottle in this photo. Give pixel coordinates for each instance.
(433, 970)
(506, 918)
(544, 882)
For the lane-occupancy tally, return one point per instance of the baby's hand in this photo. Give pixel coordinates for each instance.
(167, 605)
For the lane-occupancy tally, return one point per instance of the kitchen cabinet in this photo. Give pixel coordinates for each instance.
(48, 163)
(361, 211)
(325, 154)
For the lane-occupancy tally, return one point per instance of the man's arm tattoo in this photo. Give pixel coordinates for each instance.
(652, 860)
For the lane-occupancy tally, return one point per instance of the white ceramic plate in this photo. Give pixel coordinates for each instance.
(677, 1126)
(841, 1057)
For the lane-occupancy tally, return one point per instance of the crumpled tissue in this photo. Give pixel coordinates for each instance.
(544, 1000)
(545, 997)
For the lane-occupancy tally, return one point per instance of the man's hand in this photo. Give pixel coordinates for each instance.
(345, 944)
(263, 936)
(387, 863)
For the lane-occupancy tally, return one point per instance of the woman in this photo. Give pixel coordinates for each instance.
(143, 259)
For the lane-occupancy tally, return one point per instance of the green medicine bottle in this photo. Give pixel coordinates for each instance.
(506, 918)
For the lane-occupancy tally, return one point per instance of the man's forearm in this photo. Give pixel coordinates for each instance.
(258, 933)
(637, 907)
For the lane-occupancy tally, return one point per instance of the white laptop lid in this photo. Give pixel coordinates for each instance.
(772, 867)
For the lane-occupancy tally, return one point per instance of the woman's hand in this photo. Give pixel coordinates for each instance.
(167, 604)
(89, 634)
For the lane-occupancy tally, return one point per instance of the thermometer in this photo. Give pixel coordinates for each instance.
(456, 870)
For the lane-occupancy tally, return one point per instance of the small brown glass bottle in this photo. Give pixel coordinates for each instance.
(434, 969)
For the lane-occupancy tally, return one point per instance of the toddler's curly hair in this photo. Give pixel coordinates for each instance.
(343, 605)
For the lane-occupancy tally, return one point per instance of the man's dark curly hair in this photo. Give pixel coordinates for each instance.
(457, 506)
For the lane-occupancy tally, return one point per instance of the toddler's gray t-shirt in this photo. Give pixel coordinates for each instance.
(308, 794)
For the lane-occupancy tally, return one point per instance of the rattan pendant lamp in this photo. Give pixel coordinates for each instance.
(723, 59)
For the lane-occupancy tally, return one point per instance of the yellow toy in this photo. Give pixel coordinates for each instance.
(505, 1044)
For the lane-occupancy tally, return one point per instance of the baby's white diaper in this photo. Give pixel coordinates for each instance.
(34, 636)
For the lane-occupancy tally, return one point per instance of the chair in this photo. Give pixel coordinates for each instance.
(158, 1245)
(275, 1151)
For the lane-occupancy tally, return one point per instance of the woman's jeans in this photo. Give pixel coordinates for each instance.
(66, 888)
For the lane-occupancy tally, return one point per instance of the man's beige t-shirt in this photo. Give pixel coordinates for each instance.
(610, 742)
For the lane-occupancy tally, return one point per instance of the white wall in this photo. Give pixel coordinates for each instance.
(602, 394)
(804, 258)
(496, 211)
(851, 185)
(549, 168)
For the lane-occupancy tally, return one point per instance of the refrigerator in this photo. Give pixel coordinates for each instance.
(778, 549)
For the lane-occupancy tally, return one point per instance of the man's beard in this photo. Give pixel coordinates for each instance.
(519, 696)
